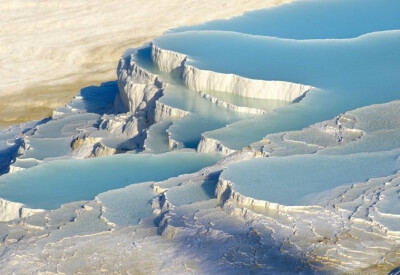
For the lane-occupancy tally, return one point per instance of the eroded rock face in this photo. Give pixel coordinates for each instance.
(89, 147)
(204, 80)
(164, 111)
(167, 61)
(12, 210)
(201, 80)
(138, 89)
(208, 145)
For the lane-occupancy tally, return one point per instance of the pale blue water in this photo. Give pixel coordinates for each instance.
(191, 192)
(313, 19)
(349, 74)
(66, 127)
(348, 71)
(353, 63)
(42, 148)
(204, 115)
(296, 180)
(157, 138)
(197, 124)
(258, 103)
(25, 163)
(52, 184)
(382, 141)
(128, 205)
(142, 57)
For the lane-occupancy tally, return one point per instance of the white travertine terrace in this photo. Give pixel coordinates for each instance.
(352, 229)
(70, 45)
(204, 80)
(13, 210)
(164, 111)
(362, 214)
(171, 226)
(207, 145)
(230, 106)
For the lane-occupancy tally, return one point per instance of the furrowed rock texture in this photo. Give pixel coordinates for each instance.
(89, 147)
(12, 210)
(125, 124)
(208, 145)
(353, 228)
(164, 111)
(230, 106)
(341, 130)
(138, 90)
(352, 232)
(205, 80)
(167, 61)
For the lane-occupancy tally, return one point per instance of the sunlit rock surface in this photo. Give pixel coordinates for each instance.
(233, 147)
(51, 49)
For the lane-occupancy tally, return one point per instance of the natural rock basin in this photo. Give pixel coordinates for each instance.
(56, 183)
(301, 180)
(298, 110)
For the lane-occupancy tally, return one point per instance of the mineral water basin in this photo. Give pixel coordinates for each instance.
(52, 184)
(301, 179)
(312, 19)
(42, 148)
(191, 192)
(347, 74)
(204, 115)
(142, 57)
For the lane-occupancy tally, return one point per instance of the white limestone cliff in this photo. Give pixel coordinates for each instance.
(138, 89)
(14, 168)
(209, 145)
(124, 125)
(166, 60)
(205, 80)
(12, 210)
(230, 106)
(163, 111)
(89, 147)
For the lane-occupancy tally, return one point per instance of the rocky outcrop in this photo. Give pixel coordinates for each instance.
(167, 61)
(208, 145)
(163, 111)
(204, 80)
(89, 147)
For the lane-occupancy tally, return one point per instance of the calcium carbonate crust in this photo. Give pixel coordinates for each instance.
(230, 106)
(205, 80)
(12, 210)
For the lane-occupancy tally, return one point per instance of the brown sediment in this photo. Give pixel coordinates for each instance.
(39, 101)
(377, 269)
(110, 54)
